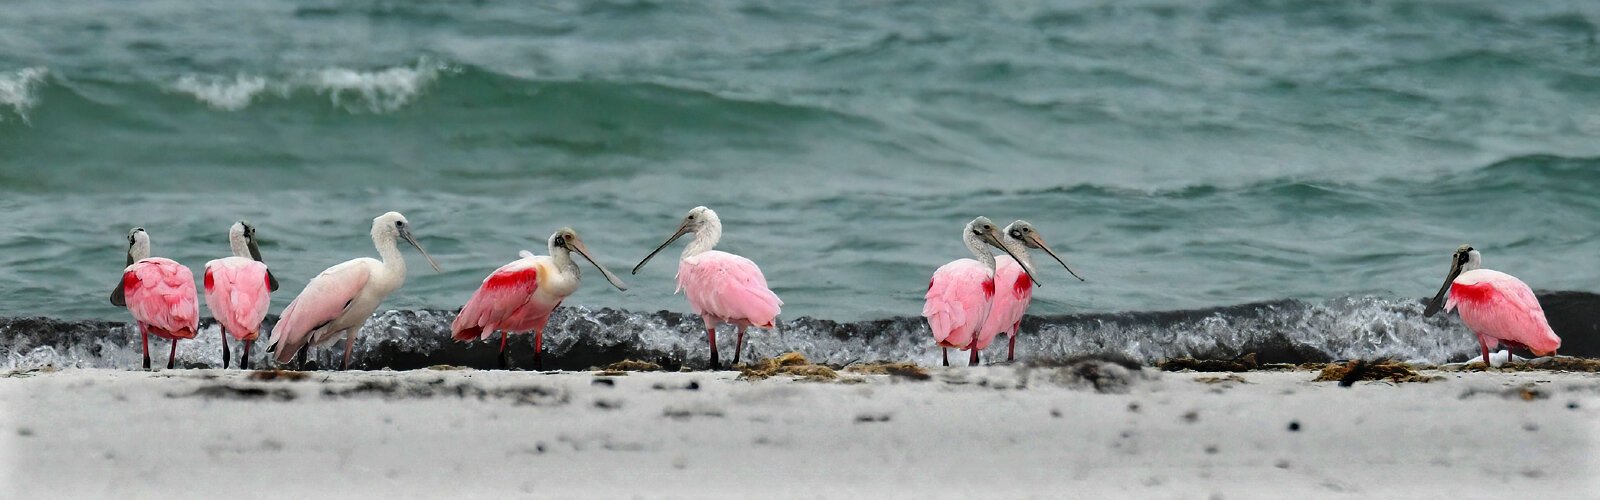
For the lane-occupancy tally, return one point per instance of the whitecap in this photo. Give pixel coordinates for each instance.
(228, 94)
(380, 91)
(17, 90)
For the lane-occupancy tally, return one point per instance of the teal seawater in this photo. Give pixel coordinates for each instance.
(1181, 154)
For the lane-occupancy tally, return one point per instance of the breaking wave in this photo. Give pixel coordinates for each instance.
(1281, 331)
(373, 91)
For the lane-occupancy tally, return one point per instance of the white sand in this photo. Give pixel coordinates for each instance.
(967, 433)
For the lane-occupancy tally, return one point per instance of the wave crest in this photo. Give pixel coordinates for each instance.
(382, 90)
(18, 90)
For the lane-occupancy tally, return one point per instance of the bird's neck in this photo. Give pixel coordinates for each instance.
(239, 247)
(705, 238)
(1018, 251)
(980, 250)
(563, 260)
(393, 262)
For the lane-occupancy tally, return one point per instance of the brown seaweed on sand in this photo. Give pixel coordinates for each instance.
(1243, 363)
(630, 365)
(1348, 374)
(789, 363)
(285, 375)
(903, 369)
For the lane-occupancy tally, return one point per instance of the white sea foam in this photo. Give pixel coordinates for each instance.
(379, 91)
(229, 94)
(17, 90)
(358, 91)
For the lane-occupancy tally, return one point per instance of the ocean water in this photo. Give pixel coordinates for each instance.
(1181, 155)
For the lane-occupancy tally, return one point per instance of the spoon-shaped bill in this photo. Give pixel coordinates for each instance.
(1039, 242)
(577, 245)
(682, 229)
(255, 255)
(1438, 299)
(992, 237)
(406, 234)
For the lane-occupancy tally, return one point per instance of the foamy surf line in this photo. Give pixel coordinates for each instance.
(577, 338)
(380, 90)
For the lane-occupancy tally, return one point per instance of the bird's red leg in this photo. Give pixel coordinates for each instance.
(973, 361)
(1485, 348)
(946, 351)
(738, 346)
(711, 333)
(538, 349)
(171, 358)
(503, 358)
(1011, 345)
(244, 357)
(305, 351)
(224, 346)
(145, 337)
(349, 346)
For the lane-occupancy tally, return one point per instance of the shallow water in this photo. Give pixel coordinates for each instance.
(1180, 154)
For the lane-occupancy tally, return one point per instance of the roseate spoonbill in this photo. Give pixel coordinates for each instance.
(1496, 306)
(962, 292)
(1011, 302)
(160, 294)
(339, 301)
(721, 287)
(520, 296)
(238, 290)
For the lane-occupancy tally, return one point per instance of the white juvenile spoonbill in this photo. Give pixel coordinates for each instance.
(160, 294)
(962, 292)
(519, 297)
(1013, 289)
(238, 291)
(336, 303)
(1496, 306)
(721, 287)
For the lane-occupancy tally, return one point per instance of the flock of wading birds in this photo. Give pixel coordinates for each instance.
(969, 302)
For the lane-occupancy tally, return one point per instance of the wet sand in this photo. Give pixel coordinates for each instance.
(999, 432)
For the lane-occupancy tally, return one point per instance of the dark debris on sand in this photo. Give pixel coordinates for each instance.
(1347, 374)
(1105, 373)
(630, 365)
(519, 395)
(1243, 363)
(903, 369)
(285, 375)
(789, 363)
(240, 393)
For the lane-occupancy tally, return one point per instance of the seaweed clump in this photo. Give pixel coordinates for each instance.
(1243, 363)
(789, 363)
(1347, 374)
(630, 365)
(901, 369)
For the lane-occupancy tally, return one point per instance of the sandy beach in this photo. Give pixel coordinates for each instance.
(998, 432)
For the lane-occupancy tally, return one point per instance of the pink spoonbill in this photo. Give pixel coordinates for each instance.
(961, 293)
(1013, 288)
(160, 294)
(721, 287)
(238, 291)
(1496, 306)
(336, 303)
(519, 297)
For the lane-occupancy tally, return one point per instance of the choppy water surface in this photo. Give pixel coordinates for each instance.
(1183, 155)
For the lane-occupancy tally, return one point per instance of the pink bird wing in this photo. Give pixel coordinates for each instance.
(958, 301)
(1013, 294)
(1500, 306)
(161, 296)
(497, 302)
(730, 287)
(238, 294)
(324, 300)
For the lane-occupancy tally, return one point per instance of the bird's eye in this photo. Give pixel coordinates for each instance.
(691, 216)
(1027, 230)
(399, 223)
